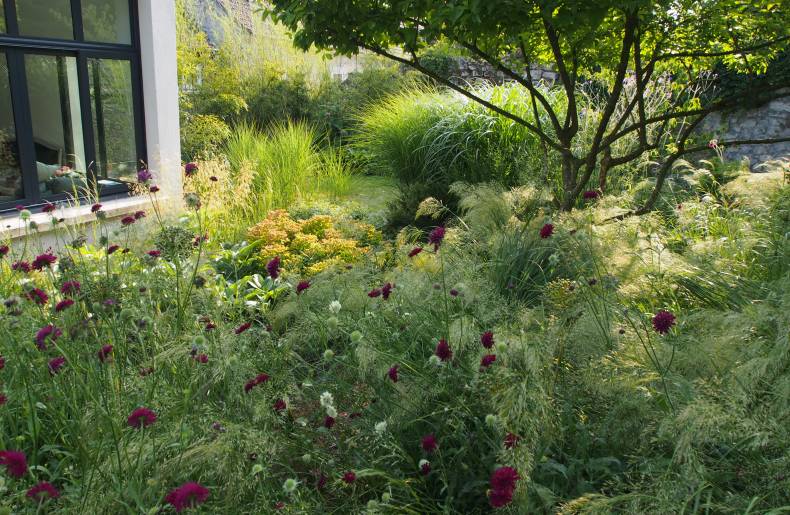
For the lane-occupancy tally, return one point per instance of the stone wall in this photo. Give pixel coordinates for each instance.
(469, 70)
(769, 121)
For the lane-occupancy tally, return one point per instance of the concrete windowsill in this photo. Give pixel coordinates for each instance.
(13, 228)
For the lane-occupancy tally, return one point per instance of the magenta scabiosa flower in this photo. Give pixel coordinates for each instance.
(392, 373)
(443, 351)
(503, 484)
(511, 441)
(252, 383)
(375, 292)
(202, 358)
(243, 327)
(188, 495)
(112, 249)
(487, 360)
(63, 304)
(42, 491)
(349, 477)
(126, 221)
(663, 321)
(302, 286)
(425, 467)
(500, 498)
(104, 353)
(415, 251)
(591, 194)
(487, 339)
(386, 290)
(273, 267)
(153, 189)
(154, 253)
(55, 364)
(70, 288)
(429, 443)
(48, 207)
(436, 237)
(38, 296)
(329, 422)
(3, 399)
(48, 332)
(139, 214)
(279, 405)
(21, 266)
(546, 231)
(190, 169)
(143, 176)
(95, 208)
(141, 417)
(15, 463)
(2, 362)
(44, 260)
(4, 250)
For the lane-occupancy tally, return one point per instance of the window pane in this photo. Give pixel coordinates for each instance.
(10, 172)
(107, 21)
(113, 119)
(57, 123)
(45, 18)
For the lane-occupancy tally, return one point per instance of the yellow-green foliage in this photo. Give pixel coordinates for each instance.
(312, 245)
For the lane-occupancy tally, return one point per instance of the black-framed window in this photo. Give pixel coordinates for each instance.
(71, 110)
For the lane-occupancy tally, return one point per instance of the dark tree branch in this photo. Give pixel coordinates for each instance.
(571, 125)
(736, 51)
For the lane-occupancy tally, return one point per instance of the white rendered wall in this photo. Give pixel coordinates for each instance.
(160, 93)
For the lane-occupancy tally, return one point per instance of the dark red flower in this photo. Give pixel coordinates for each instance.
(63, 304)
(38, 296)
(213, 178)
(436, 237)
(141, 417)
(153, 189)
(443, 351)
(154, 253)
(15, 463)
(95, 208)
(415, 251)
(273, 267)
(21, 266)
(202, 358)
(386, 290)
(279, 405)
(55, 364)
(188, 495)
(511, 441)
(329, 422)
(70, 288)
(210, 326)
(44, 260)
(500, 498)
(104, 353)
(4, 250)
(42, 491)
(279, 505)
(261, 378)
(429, 443)
(48, 207)
(487, 339)
(591, 194)
(139, 214)
(487, 360)
(504, 479)
(302, 286)
(243, 327)
(3, 399)
(144, 176)
(392, 373)
(2, 362)
(454, 293)
(375, 292)
(252, 383)
(349, 477)
(190, 169)
(321, 481)
(126, 221)
(546, 231)
(663, 321)
(48, 332)
(112, 249)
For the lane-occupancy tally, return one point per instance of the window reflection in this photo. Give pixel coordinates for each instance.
(10, 171)
(107, 21)
(45, 18)
(57, 123)
(113, 118)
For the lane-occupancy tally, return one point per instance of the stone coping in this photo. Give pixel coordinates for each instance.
(11, 227)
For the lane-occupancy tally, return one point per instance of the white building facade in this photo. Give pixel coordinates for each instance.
(88, 97)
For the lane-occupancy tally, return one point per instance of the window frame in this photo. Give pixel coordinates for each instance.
(15, 47)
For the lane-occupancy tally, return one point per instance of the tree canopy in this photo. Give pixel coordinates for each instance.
(613, 40)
